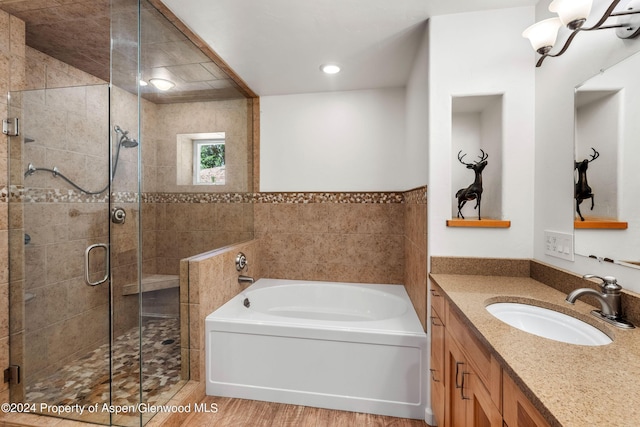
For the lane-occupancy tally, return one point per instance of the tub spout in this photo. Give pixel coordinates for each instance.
(245, 280)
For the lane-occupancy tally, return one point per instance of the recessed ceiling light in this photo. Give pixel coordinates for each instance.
(162, 84)
(330, 68)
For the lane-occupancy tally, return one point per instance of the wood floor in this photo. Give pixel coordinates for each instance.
(241, 413)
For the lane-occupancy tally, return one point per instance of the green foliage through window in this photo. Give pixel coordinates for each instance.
(211, 156)
(209, 161)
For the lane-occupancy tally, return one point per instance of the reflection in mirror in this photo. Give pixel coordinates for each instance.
(606, 106)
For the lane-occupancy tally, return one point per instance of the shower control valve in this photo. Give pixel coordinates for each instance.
(241, 261)
(118, 215)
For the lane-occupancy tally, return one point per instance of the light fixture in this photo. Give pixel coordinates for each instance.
(573, 14)
(162, 84)
(143, 83)
(543, 34)
(330, 68)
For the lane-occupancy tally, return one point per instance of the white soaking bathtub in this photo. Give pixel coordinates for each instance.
(351, 347)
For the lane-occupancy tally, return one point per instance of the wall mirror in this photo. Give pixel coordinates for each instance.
(607, 146)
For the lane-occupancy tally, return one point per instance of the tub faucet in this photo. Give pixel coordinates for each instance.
(610, 299)
(245, 280)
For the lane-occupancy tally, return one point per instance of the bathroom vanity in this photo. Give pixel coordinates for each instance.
(486, 373)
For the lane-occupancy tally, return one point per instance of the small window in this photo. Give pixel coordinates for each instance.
(208, 162)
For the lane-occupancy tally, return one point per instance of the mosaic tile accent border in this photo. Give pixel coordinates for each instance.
(368, 197)
(365, 197)
(17, 193)
(38, 195)
(197, 197)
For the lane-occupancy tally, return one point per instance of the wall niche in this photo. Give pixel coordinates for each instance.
(476, 127)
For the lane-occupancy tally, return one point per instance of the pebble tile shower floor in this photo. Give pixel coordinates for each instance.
(85, 382)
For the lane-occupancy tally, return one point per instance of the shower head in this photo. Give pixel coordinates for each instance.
(128, 142)
(125, 141)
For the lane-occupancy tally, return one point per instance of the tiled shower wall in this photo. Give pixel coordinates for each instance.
(185, 220)
(12, 53)
(64, 112)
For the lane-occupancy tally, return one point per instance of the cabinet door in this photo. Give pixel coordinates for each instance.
(481, 411)
(438, 377)
(518, 411)
(455, 366)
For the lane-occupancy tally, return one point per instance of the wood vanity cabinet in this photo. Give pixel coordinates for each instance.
(467, 381)
(518, 410)
(438, 377)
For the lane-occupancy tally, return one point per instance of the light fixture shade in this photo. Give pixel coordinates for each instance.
(162, 84)
(543, 34)
(571, 11)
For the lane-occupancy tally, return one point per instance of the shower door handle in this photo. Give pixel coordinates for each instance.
(87, 251)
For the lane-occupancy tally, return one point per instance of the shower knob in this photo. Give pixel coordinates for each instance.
(241, 261)
(118, 215)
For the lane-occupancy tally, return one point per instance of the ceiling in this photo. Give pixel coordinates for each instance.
(79, 33)
(275, 46)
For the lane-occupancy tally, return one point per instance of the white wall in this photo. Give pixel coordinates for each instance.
(556, 80)
(597, 126)
(482, 53)
(334, 141)
(417, 147)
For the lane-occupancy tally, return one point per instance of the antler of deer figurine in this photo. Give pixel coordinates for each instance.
(474, 191)
(582, 189)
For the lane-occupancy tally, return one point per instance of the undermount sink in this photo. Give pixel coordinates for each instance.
(548, 323)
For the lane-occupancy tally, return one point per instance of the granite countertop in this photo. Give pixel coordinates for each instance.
(571, 385)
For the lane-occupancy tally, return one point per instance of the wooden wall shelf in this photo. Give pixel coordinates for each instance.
(483, 223)
(605, 224)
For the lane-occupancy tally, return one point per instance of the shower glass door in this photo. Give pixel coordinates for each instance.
(59, 209)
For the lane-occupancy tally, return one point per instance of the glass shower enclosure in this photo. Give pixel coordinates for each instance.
(83, 337)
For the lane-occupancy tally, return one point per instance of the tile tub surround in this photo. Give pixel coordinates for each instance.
(212, 281)
(370, 237)
(570, 385)
(335, 237)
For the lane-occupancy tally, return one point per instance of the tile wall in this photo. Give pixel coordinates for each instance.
(63, 113)
(344, 237)
(12, 60)
(185, 220)
(213, 280)
(415, 250)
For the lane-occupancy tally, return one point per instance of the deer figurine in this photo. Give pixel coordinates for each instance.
(474, 191)
(582, 189)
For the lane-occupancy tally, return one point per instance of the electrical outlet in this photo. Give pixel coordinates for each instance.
(559, 245)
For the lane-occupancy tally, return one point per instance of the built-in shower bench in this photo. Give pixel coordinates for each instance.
(153, 282)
